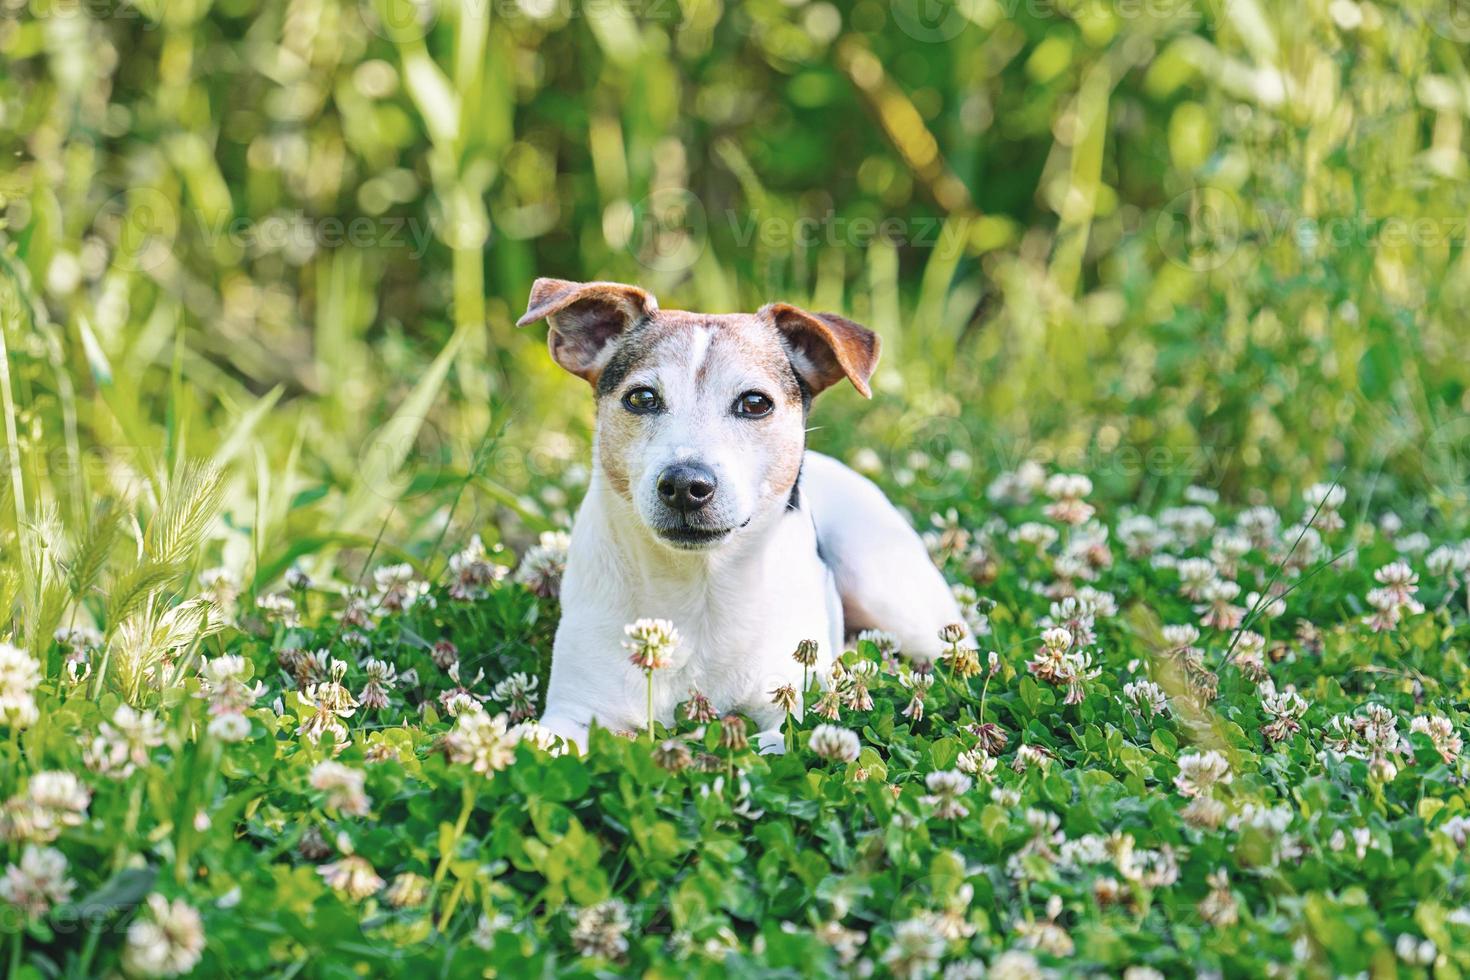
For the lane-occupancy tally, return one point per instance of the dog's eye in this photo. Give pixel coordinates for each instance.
(642, 401)
(754, 405)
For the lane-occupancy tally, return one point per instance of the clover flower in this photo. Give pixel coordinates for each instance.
(353, 876)
(473, 572)
(785, 698)
(602, 930)
(51, 801)
(673, 755)
(330, 702)
(224, 682)
(698, 708)
(166, 941)
(1147, 697)
(1326, 499)
(835, 743)
(343, 786)
(124, 744)
(38, 883)
(1285, 711)
(277, 607)
(407, 891)
(1067, 491)
(544, 563)
(733, 733)
(381, 679)
(1201, 772)
(20, 673)
(1441, 731)
(1218, 907)
(945, 789)
(481, 741)
(915, 951)
(1015, 964)
(518, 693)
(650, 643)
(1219, 609)
(444, 654)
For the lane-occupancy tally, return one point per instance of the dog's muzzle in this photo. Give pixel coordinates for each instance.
(686, 487)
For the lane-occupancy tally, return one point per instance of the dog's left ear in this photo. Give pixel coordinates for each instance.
(585, 318)
(824, 347)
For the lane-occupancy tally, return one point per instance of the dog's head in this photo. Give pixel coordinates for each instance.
(701, 420)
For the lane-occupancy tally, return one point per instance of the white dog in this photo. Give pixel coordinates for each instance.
(706, 509)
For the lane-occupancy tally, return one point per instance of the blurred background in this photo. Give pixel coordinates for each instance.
(1165, 243)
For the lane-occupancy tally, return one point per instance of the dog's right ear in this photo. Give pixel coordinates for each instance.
(585, 318)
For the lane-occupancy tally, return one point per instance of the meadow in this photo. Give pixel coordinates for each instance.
(1173, 298)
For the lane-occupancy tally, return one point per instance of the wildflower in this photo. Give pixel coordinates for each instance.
(407, 891)
(233, 727)
(444, 654)
(51, 801)
(1219, 610)
(945, 789)
(1017, 486)
(1194, 575)
(1259, 524)
(1047, 934)
(1015, 965)
(473, 572)
(123, 745)
(482, 742)
(343, 786)
(1141, 536)
(537, 735)
(602, 930)
(1218, 907)
(829, 705)
(329, 702)
(976, 763)
(1398, 580)
(1032, 757)
(992, 737)
(651, 643)
(785, 698)
(1050, 662)
(1190, 525)
(313, 845)
(1204, 812)
(20, 673)
(1326, 499)
(1199, 773)
(353, 876)
(733, 733)
(1285, 710)
(399, 589)
(1067, 491)
(518, 693)
(223, 681)
(1441, 731)
(698, 708)
(836, 743)
(887, 644)
(544, 564)
(673, 755)
(915, 950)
(1147, 697)
(806, 653)
(381, 678)
(38, 883)
(167, 941)
(277, 607)
(846, 943)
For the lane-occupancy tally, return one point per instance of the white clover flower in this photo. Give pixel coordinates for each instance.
(353, 876)
(836, 743)
(1147, 697)
(945, 789)
(1016, 964)
(20, 673)
(1201, 772)
(544, 564)
(602, 930)
(651, 643)
(38, 883)
(343, 786)
(915, 951)
(166, 941)
(481, 741)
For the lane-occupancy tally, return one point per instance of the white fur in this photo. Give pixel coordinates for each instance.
(740, 608)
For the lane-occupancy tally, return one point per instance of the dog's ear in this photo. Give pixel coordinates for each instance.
(824, 347)
(585, 318)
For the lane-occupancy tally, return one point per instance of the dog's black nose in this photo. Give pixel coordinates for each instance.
(687, 486)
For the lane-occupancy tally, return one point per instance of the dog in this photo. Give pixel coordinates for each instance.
(705, 508)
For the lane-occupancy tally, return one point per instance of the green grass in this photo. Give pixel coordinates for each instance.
(259, 267)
